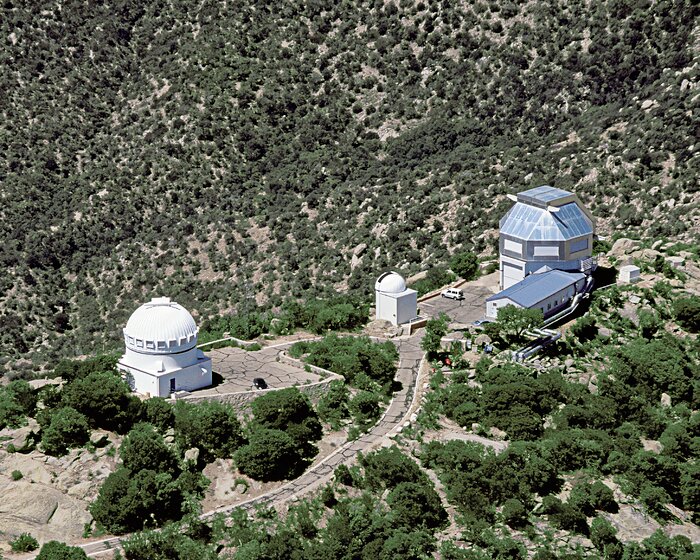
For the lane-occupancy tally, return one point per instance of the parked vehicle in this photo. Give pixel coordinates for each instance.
(259, 383)
(453, 293)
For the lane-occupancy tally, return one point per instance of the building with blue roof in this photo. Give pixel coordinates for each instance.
(549, 290)
(546, 226)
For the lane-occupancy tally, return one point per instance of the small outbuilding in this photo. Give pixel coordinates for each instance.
(161, 354)
(629, 274)
(394, 301)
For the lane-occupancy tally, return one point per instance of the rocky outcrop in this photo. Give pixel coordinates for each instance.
(39, 509)
(623, 246)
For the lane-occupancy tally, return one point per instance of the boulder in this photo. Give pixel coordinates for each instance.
(37, 384)
(192, 455)
(20, 437)
(652, 445)
(40, 510)
(482, 340)
(32, 469)
(648, 255)
(495, 433)
(623, 246)
(665, 400)
(99, 438)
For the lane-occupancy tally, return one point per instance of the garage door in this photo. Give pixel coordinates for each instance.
(510, 274)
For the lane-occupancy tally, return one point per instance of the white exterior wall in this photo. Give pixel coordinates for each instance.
(549, 305)
(151, 373)
(512, 271)
(555, 302)
(406, 307)
(397, 308)
(492, 307)
(187, 379)
(386, 307)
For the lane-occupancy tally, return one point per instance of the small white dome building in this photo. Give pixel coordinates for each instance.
(394, 302)
(161, 354)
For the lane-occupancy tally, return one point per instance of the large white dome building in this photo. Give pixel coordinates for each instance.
(161, 354)
(394, 302)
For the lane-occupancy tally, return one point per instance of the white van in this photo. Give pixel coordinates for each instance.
(453, 293)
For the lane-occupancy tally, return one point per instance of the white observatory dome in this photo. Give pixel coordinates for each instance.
(160, 326)
(390, 283)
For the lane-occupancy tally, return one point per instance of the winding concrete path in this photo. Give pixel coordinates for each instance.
(398, 411)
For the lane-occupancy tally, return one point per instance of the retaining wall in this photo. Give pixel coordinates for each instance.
(242, 400)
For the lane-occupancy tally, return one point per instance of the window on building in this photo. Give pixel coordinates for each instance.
(579, 245)
(172, 343)
(150, 345)
(549, 306)
(139, 343)
(556, 302)
(161, 345)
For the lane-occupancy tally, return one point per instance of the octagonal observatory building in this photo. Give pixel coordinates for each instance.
(161, 355)
(547, 227)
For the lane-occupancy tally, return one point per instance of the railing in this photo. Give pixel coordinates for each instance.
(589, 264)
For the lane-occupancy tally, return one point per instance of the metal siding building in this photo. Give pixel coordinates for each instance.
(546, 226)
(550, 291)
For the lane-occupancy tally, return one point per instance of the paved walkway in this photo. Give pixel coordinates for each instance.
(410, 357)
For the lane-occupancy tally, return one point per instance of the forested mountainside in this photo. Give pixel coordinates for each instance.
(226, 152)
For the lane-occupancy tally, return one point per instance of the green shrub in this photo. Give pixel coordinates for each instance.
(17, 475)
(24, 543)
(269, 455)
(54, 550)
(68, 428)
(687, 313)
(350, 356)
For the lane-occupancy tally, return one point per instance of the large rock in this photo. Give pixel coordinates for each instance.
(40, 510)
(495, 433)
(192, 455)
(623, 246)
(648, 255)
(32, 468)
(18, 436)
(99, 438)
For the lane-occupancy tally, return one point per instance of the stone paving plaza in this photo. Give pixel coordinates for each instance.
(239, 367)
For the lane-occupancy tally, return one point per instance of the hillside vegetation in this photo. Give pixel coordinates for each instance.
(234, 153)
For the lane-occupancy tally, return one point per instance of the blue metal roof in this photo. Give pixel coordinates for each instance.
(531, 223)
(536, 287)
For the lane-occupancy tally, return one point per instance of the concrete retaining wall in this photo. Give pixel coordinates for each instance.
(242, 400)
